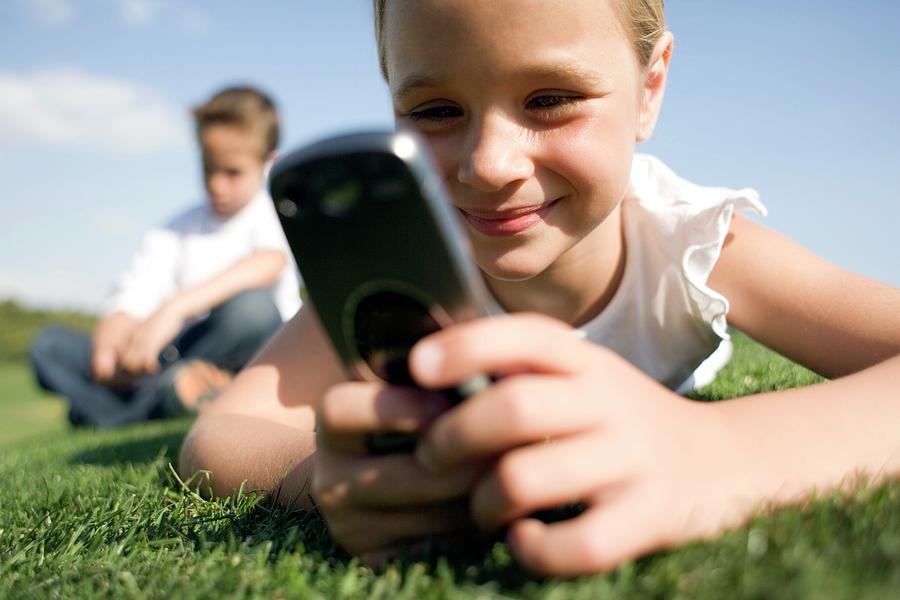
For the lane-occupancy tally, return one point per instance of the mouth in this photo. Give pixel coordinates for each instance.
(508, 223)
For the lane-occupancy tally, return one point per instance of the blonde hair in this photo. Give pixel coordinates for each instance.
(244, 107)
(646, 20)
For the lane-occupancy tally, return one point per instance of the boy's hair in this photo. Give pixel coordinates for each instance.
(246, 108)
(646, 20)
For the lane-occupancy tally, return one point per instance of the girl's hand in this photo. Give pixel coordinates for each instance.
(574, 422)
(372, 503)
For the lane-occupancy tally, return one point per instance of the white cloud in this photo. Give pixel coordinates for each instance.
(51, 12)
(140, 12)
(146, 12)
(136, 13)
(69, 107)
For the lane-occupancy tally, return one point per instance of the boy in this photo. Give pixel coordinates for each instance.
(201, 296)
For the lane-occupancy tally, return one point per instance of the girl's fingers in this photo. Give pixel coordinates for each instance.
(395, 480)
(549, 475)
(512, 343)
(368, 531)
(350, 411)
(519, 410)
(600, 539)
(358, 407)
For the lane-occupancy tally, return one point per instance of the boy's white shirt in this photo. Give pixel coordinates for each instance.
(664, 318)
(197, 245)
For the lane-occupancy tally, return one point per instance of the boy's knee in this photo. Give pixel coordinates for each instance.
(47, 344)
(252, 313)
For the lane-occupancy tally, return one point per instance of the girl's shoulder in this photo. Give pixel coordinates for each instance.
(658, 189)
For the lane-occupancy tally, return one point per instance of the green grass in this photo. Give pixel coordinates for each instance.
(24, 411)
(100, 514)
(19, 325)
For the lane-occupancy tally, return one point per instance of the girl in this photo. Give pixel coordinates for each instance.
(532, 110)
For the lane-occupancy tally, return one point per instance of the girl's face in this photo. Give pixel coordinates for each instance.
(531, 108)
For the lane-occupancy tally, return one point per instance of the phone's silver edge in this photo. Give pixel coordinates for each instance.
(412, 149)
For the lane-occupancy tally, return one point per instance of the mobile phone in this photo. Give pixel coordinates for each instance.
(380, 250)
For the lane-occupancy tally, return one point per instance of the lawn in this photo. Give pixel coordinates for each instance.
(24, 411)
(101, 514)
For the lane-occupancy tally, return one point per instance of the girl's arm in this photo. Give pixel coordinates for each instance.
(260, 432)
(830, 320)
(818, 438)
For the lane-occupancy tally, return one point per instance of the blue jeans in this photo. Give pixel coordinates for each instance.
(227, 338)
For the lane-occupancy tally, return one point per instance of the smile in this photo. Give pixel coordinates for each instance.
(508, 223)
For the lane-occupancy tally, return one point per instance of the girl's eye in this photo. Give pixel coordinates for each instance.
(550, 101)
(435, 113)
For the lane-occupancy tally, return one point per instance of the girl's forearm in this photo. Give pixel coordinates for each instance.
(230, 451)
(817, 438)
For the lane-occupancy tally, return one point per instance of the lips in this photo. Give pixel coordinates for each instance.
(508, 222)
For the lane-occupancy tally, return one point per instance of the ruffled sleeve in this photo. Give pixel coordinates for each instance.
(664, 318)
(698, 219)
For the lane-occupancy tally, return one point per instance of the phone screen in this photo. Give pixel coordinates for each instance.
(386, 325)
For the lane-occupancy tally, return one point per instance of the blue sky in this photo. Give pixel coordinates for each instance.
(797, 99)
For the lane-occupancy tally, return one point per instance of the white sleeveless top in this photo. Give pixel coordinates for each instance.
(664, 319)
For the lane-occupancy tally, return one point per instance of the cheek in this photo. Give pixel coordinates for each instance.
(249, 184)
(445, 153)
(594, 156)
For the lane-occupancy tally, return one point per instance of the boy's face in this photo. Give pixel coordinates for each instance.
(232, 169)
(532, 109)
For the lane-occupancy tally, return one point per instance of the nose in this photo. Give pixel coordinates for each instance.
(495, 154)
(215, 183)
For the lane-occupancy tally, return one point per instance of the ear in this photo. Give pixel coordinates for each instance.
(268, 161)
(654, 86)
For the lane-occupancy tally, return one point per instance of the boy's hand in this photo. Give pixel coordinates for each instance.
(141, 353)
(109, 340)
(103, 362)
(372, 503)
(575, 422)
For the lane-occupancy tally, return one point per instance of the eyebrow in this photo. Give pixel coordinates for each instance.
(565, 71)
(414, 82)
(562, 71)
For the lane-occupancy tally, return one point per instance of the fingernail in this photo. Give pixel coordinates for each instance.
(427, 357)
